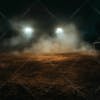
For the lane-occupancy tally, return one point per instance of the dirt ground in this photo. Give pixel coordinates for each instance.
(73, 76)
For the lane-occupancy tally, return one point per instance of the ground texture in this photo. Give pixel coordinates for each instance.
(73, 76)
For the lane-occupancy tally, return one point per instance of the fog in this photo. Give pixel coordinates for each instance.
(69, 40)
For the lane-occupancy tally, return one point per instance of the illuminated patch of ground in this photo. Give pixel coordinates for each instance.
(74, 76)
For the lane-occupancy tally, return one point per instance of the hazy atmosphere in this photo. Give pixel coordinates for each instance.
(42, 27)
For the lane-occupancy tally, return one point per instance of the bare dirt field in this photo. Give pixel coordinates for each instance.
(73, 76)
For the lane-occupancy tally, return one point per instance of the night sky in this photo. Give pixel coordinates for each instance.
(47, 13)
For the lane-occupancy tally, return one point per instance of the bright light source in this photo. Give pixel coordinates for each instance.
(28, 31)
(60, 33)
(59, 30)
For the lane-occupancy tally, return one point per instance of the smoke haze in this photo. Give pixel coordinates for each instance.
(69, 41)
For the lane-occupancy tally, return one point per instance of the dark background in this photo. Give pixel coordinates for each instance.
(85, 13)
